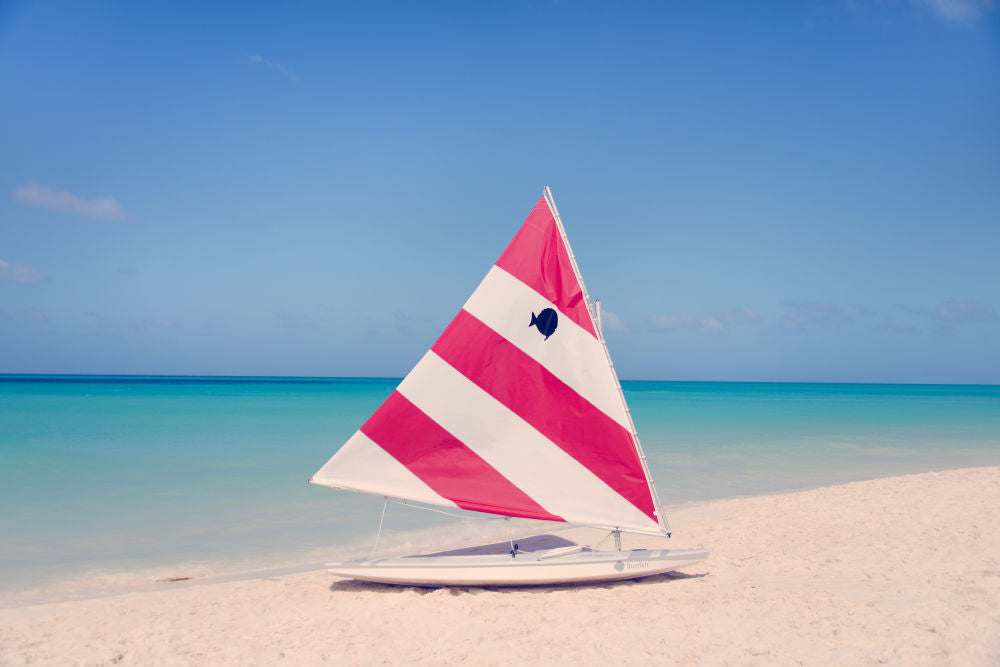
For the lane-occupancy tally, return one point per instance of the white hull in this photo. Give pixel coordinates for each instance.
(551, 566)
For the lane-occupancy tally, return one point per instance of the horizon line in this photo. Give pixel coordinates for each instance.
(8, 377)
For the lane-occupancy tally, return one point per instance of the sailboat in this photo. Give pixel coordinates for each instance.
(515, 411)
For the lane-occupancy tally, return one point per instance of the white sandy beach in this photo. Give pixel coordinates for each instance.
(903, 570)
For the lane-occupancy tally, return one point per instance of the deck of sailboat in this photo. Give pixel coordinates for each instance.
(524, 545)
(541, 560)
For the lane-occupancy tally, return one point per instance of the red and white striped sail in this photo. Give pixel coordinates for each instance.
(499, 417)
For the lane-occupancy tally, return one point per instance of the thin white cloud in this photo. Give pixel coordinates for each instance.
(298, 321)
(154, 324)
(952, 313)
(711, 324)
(35, 316)
(896, 325)
(685, 322)
(742, 315)
(95, 319)
(44, 196)
(863, 312)
(804, 315)
(960, 11)
(611, 322)
(30, 316)
(19, 273)
(273, 66)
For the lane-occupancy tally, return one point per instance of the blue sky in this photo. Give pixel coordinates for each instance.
(802, 191)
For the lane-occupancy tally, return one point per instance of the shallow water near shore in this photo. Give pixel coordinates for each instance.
(112, 482)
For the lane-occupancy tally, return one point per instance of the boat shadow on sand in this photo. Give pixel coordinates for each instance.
(356, 586)
(525, 546)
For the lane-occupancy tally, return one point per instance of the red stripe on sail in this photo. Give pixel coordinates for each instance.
(540, 398)
(538, 257)
(446, 464)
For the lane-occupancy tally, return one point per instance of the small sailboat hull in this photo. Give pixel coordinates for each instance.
(554, 566)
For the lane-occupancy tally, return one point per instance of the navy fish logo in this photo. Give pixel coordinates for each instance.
(546, 322)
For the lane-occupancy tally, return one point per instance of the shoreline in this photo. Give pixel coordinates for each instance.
(212, 571)
(902, 569)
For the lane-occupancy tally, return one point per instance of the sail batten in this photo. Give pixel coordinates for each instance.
(516, 409)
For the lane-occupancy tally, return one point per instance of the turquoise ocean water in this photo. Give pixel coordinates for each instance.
(107, 483)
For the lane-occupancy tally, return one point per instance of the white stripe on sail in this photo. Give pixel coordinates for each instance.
(351, 468)
(532, 462)
(505, 304)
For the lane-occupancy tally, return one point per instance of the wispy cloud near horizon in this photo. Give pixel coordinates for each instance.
(20, 273)
(31, 316)
(298, 321)
(44, 196)
(273, 66)
(686, 322)
(802, 315)
(712, 324)
(154, 324)
(896, 325)
(611, 322)
(952, 313)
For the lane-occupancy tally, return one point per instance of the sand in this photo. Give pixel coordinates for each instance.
(903, 570)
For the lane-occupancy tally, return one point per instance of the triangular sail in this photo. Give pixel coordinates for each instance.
(515, 410)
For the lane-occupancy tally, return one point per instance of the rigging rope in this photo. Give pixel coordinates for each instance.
(477, 517)
(451, 514)
(379, 533)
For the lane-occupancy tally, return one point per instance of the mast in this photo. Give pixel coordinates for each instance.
(658, 508)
